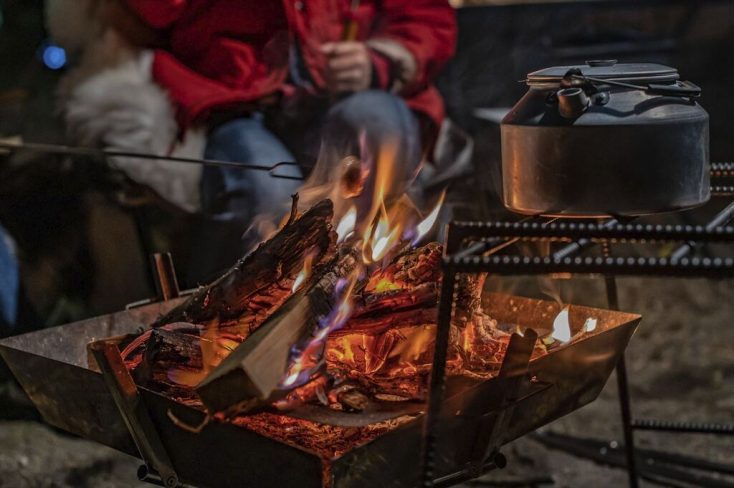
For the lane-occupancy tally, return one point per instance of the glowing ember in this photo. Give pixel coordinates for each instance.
(427, 224)
(562, 327)
(385, 285)
(346, 225)
(304, 274)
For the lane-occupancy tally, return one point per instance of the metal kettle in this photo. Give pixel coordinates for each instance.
(606, 139)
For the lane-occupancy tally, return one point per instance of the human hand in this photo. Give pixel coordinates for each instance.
(349, 66)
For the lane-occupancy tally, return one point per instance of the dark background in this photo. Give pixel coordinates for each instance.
(83, 251)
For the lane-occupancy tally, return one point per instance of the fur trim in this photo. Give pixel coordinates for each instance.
(110, 100)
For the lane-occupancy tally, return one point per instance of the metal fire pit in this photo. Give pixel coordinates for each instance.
(476, 417)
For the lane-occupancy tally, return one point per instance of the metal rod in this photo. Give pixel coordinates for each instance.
(498, 461)
(662, 468)
(109, 153)
(722, 191)
(437, 385)
(581, 244)
(721, 219)
(573, 231)
(627, 429)
(608, 82)
(620, 266)
(492, 246)
(165, 276)
(610, 282)
(683, 427)
(722, 170)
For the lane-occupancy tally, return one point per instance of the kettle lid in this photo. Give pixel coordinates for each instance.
(609, 69)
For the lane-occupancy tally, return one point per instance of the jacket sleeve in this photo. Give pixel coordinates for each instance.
(158, 13)
(418, 37)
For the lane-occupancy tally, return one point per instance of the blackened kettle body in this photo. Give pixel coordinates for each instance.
(606, 139)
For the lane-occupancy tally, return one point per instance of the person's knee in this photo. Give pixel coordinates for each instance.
(234, 130)
(373, 110)
(247, 140)
(372, 100)
(380, 116)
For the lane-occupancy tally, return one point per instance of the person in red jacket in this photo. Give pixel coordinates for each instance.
(275, 78)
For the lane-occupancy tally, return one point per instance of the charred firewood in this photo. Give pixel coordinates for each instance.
(174, 348)
(253, 287)
(388, 302)
(251, 374)
(413, 268)
(468, 296)
(379, 324)
(352, 400)
(413, 279)
(165, 350)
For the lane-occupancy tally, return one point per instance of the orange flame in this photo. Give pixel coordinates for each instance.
(562, 326)
(304, 274)
(347, 224)
(427, 224)
(382, 238)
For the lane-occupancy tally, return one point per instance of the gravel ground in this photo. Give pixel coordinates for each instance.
(680, 365)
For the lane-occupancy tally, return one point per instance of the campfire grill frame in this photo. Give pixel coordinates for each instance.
(467, 243)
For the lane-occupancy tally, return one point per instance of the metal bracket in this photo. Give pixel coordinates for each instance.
(134, 413)
(496, 413)
(166, 284)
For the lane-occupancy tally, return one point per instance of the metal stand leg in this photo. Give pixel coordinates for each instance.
(629, 438)
(623, 393)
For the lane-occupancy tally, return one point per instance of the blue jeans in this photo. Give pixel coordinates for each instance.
(369, 118)
(246, 192)
(9, 282)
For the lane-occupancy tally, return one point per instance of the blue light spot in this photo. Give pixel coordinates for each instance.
(54, 57)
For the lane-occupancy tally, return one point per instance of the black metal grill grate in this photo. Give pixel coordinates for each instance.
(473, 247)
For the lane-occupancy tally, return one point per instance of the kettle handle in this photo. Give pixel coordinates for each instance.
(680, 89)
(684, 89)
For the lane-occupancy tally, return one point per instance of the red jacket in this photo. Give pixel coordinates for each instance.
(223, 53)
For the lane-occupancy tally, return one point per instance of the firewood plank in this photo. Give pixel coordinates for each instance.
(259, 273)
(250, 375)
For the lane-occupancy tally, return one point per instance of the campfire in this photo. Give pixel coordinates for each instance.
(373, 339)
(325, 314)
(315, 354)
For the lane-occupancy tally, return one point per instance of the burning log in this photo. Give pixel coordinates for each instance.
(260, 282)
(292, 350)
(387, 345)
(382, 323)
(412, 268)
(251, 375)
(170, 349)
(421, 296)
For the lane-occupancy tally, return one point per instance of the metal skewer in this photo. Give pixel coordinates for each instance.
(109, 153)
